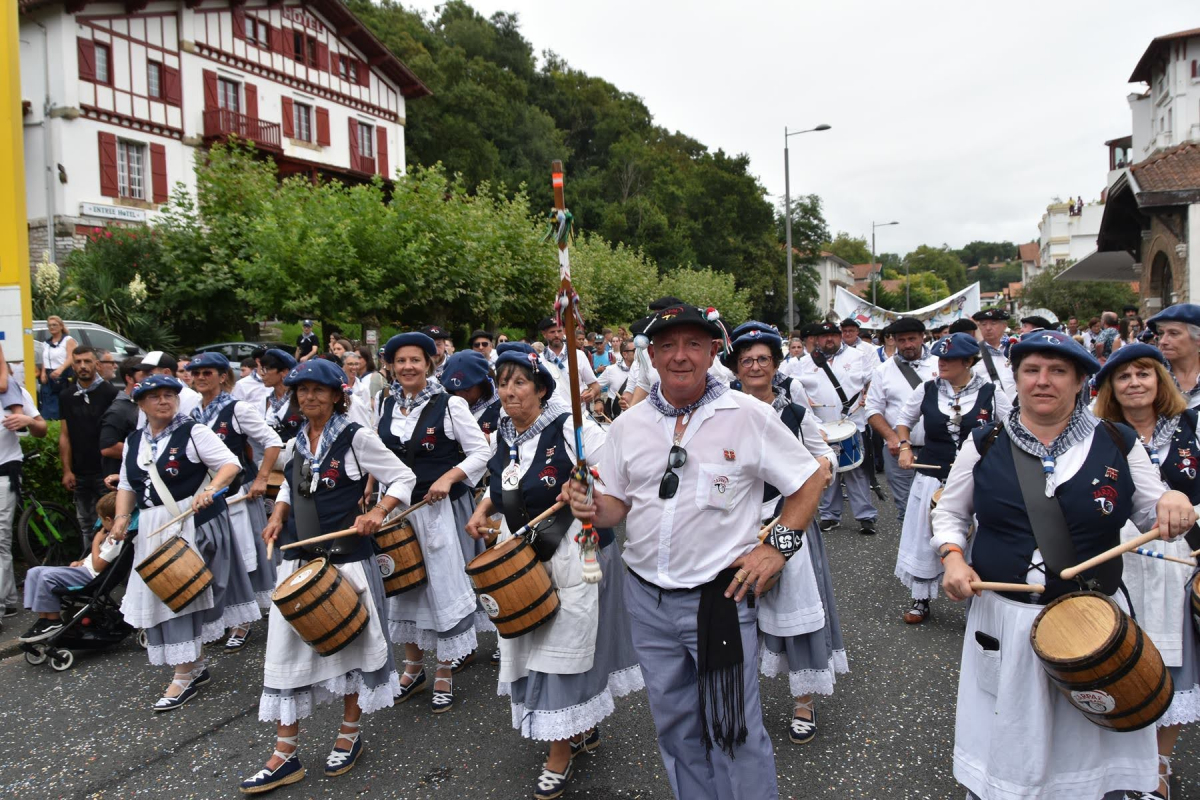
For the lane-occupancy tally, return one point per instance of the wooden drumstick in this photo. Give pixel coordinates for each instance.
(180, 517)
(924, 466)
(1108, 555)
(490, 531)
(1142, 551)
(993, 586)
(770, 526)
(528, 527)
(325, 537)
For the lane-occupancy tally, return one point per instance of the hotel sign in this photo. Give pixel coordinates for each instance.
(112, 212)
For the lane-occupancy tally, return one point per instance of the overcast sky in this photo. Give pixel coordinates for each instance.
(961, 120)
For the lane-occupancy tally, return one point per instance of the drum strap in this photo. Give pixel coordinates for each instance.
(989, 365)
(910, 374)
(823, 363)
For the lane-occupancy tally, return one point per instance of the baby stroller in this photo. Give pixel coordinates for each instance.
(91, 615)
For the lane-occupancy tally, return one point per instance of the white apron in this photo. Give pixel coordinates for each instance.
(292, 663)
(243, 530)
(140, 606)
(916, 557)
(566, 645)
(447, 598)
(1157, 590)
(794, 606)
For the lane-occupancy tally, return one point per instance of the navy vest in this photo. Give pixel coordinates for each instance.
(489, 420)
(237, 442)
(289, 426)
(430, 453)
(939, 447)
(336, 498)
(1181, 470)
(792, 415)
(182, 476)
(1096, 502)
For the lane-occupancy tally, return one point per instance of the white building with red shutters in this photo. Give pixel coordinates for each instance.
(118, 97)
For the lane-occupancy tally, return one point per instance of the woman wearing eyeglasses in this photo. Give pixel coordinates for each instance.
(434, 433)
(326, 467)
(237, 423)
(800, 631)
(1136, 388)
(166, 470)
(562, 677)
(951, 406)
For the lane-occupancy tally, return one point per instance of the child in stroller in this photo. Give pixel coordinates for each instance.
(74, 604)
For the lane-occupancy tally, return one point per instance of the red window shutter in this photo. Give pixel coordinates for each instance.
(355, 158)
(323, 127)
(335, 63)
(276, 38)
(251, 100)
(210, 90)
(87, 59)
(108, 165)
(158, 172)
(288, 40)
(172, 92)
(381, 154)
(322, 57)
(289, 124)
(239, 22)
(364, 74)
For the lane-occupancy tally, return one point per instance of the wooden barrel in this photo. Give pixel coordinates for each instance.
(935, 497)
(1102, 661)
(322, 606)
(175, 573)
(513, 587)
(274, 481)
(400, 562)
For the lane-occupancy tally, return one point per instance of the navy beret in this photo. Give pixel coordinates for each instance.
(990, 313)
(757, 336)
(1125, 354)
(317, 370)
(825, 328)
(1054, 343)
(956, 345)
(463, 370)
(905, 325)
(412, 339)
(209, 360)
(753, 325)
(284, 359)
(526, 356)
(684, 314)
(157, 381)
(1186, 313)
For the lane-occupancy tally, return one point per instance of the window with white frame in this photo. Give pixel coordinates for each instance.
(366, 140)
(302, 121)
(154, 79)
(131, 170)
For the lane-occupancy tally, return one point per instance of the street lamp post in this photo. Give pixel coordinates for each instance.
(787, 217)
(875, 278)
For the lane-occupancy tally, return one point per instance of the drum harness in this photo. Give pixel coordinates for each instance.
(821, 361)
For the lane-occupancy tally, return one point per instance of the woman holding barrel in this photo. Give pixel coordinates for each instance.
(562, 676)
(798, 619)
(326, 467)
(950, 407)
(240, 426)
(1136, 388)
(1050, 486)
(165, 472)
(434, 433)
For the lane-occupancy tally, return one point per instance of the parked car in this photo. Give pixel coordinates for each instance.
(88, 333)
(236, 351)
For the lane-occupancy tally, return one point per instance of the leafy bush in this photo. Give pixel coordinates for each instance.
(42, 472)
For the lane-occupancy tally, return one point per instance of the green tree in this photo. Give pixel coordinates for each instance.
(707, 288)
(986, 252)
(939, 260)
(994, 280)
(1082, 299)
(855, 249)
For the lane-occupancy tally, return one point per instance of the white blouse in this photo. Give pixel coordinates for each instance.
(368, 455)
(910, 412)
(460, 426)
(203, 447)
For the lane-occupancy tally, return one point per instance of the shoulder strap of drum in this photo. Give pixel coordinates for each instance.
(988, 364)
(821, 361)
(989, 439)
(910, 374)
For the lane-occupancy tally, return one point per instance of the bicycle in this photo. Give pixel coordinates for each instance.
(47, 533)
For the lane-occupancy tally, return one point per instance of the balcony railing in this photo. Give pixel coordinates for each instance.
(219, 122)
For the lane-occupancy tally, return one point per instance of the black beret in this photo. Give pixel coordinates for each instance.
(990, 313)
(905, 325)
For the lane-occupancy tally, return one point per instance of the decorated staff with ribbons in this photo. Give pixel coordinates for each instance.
(1135, 388)
(1049, 487)
(240, 426)
(561, 677)
(835, 379)
(279, 409)
(170, 467)
(434, 433)
(948, 408)
(687, 470)
(468, 375)
(993, 363)
(327, 466)
(1178, 331)
(798, 619)
(893, 383)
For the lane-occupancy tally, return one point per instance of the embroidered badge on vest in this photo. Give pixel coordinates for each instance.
(1104, 497)
(1187, 464)
(1110, 473)
(221, 430)
(329, 477)
(549, 476)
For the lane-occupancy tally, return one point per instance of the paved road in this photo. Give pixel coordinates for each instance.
(887, 732)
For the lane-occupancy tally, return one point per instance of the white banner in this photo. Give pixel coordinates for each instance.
(848, 305)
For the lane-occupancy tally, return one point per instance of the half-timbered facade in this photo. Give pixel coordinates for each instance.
(118, 96)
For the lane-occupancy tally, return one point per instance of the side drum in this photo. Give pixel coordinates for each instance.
(400, 562)
(322, 606)
(513, 587)
(274, 482)
(1101, 661)
(175, 573)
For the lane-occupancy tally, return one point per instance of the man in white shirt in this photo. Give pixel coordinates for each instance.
(993, 363)
(835, 377)
(1178, 330)
(616, 380)
(686, 470)
(852, 337)
(158, 362)
(11, 458)
(894, 382)
(555, 359)
(251, 388)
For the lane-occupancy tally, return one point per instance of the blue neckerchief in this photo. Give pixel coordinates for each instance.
(336, 424)
(432, 388)
(480, 405)
(209, 412)
(1079, 426)
(154, 438)
(713, 389)
(508, 430)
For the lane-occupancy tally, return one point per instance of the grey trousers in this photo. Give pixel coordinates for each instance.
(664, 637)
(858, 489)
(899, 480)
(40, 583)
(8, 580)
